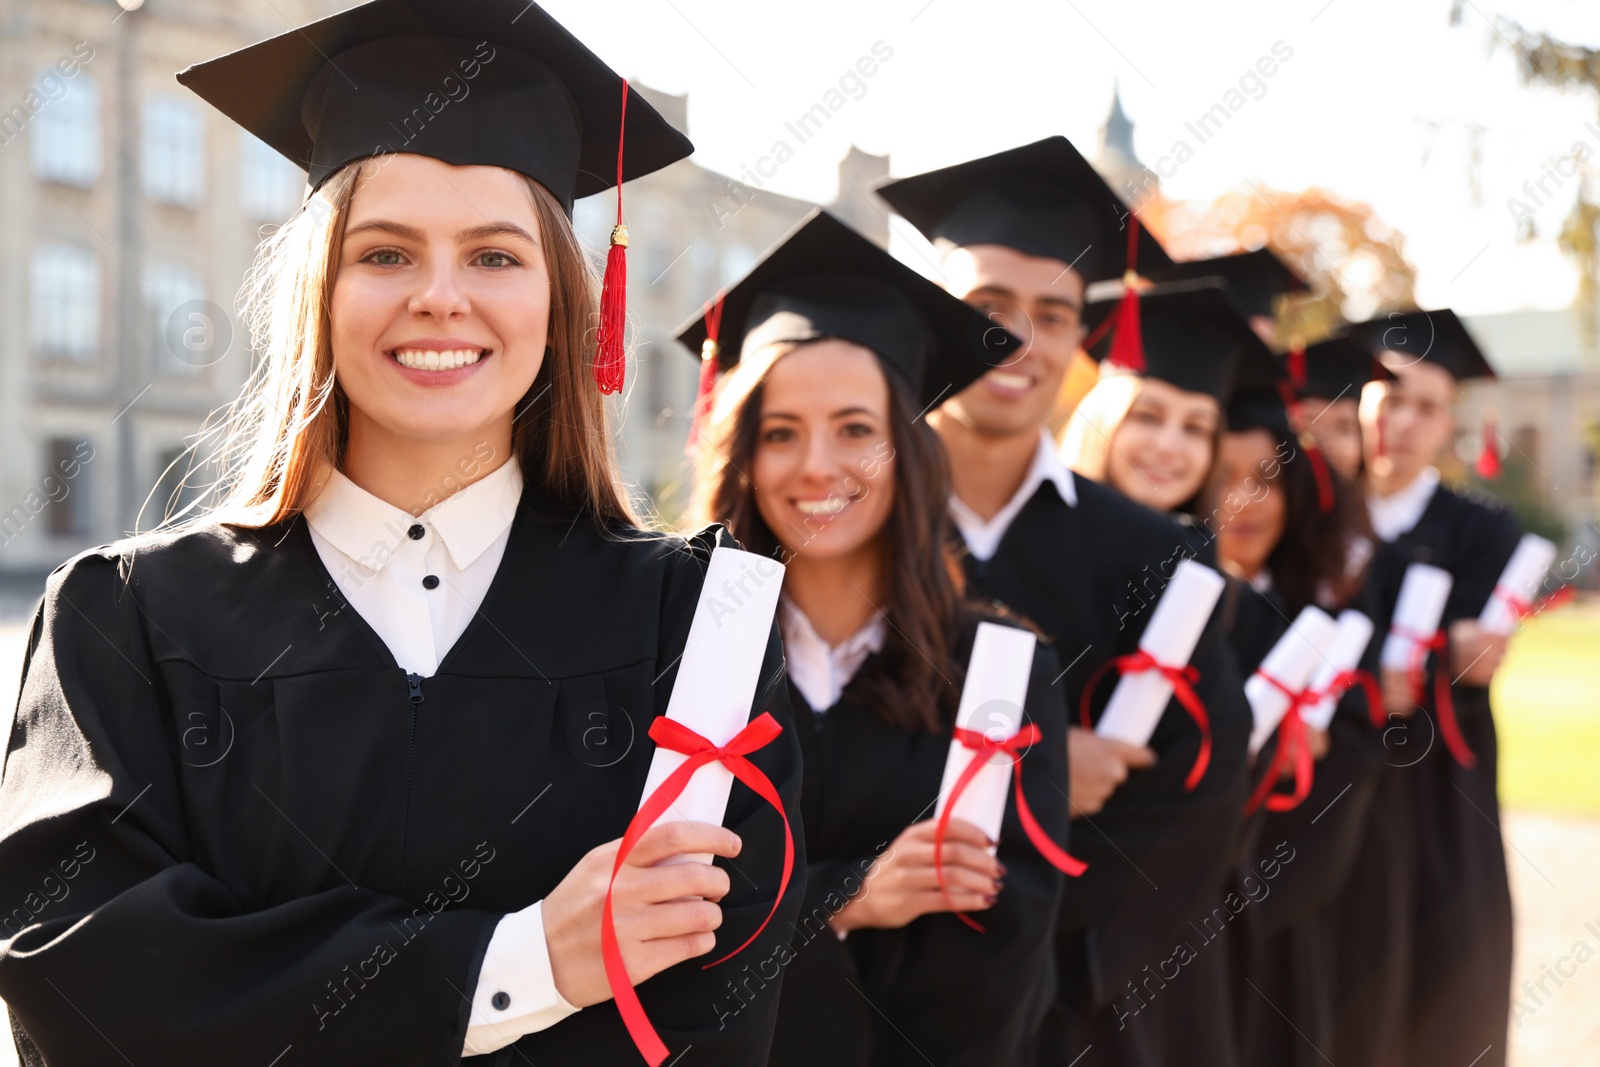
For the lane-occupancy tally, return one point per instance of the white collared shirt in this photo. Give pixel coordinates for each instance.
(380, 557)
(1397, 513)
(818, 670)
(983, 536)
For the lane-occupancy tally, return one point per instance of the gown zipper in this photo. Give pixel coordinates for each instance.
(414, 699)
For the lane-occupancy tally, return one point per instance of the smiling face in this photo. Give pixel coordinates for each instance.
(823, 472)
(1336, 425)
(1038, 299)
(1254, 529)
(1161, 451)
(441, 301)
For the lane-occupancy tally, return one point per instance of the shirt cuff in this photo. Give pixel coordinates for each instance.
(516, 992)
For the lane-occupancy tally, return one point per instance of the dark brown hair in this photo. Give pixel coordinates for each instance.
(1310, 564)
(913, 682)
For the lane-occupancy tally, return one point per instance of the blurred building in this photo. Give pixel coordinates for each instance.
(1546, 405)
(130, 212)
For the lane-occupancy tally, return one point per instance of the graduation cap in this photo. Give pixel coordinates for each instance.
(1440, 338)
(1192, 335)
(1256, 278)
(1336, 367)
(490, 83)
(824, 280)
(1265, 398)
(1043, 199)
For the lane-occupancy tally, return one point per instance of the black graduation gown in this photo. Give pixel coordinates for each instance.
(272, 848)
(1300, 861)
(1089, 575)
(1450, 967)
(934, 990)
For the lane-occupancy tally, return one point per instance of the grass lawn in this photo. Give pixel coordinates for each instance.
(1547, 710)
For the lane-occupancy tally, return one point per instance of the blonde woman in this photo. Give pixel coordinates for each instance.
(336, 771)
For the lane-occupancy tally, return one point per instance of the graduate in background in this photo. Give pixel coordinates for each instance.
(1432, 987)
(340, 766)
(1021, 234)
(1328, 378)
(1287, 551)
(814, 452)
(1153, 431)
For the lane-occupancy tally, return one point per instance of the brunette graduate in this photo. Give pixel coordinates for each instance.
(1433, 985)
(1021, 234)
(1289, 545)
(815, 451)
(341, 765)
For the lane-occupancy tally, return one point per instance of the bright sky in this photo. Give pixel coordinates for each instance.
(1374, 103)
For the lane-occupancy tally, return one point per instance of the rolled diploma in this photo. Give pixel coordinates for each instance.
(1524, 571)
(991, 704)
(1179, 617)
(1423, 593)
(717, 677)
(1291, 661)
(1351, 640)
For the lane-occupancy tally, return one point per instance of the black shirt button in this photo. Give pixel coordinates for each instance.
(501, 1001)
(416, 532)
(430, 581)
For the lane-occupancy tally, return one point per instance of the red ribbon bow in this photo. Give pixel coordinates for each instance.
(982, 748)
(1524, 609)
(1182, 680)
(1344, 680)
(1291, 745)
(1449, 728)
(676, 737)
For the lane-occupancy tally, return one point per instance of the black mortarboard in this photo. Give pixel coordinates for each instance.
(1043, 199)
(1436, 336)
(490, 82)
(1194, 336)
(1256, 278)
(824, 280)
(1334, 368)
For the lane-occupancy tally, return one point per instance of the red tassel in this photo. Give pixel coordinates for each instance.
(710, 352)
(1488, 465)
(1319, 463)
(610, 360)
(1127, 340)
(1296, 364)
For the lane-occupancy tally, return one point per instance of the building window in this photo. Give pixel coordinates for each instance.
(269, 185)
(66, 131)
(66, 302)
(64, 484)
(177, 485)
(173, 151)
(180, 346)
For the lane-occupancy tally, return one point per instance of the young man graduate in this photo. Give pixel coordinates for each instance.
(1426, 981)
(1027, 230)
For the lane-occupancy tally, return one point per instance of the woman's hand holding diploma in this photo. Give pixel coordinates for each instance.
(902, 884)
(664, 913)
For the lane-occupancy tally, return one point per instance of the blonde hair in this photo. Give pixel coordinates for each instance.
(1086, 442)
(272, 446)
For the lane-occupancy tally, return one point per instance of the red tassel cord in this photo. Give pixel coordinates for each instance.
(1488, 465)
(610, 359)
(1308, 442)
(1296, 364)
(710, 353)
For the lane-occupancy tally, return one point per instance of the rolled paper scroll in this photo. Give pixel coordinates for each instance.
(1423, 593)
(718, 676)
(1351, 640)
(1516, 593)
(991, 704)
(1292, 661)
(1179, 617)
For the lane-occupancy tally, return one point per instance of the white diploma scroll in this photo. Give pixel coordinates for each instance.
(1520, 581)
(991, 704)
(1179, 617)
(1423, 593)
(718, 675)
(1351, 640)
(1292, 661)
